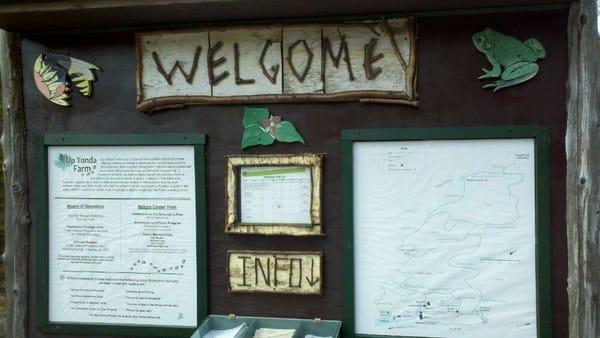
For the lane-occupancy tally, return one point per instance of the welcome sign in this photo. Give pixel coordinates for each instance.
(369, 61)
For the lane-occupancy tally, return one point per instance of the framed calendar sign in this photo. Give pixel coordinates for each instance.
(274, 194)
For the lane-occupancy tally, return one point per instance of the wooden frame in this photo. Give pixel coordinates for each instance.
(42, 259)
(407, 97)
(274, 253)
(232, 222)
(542, 205)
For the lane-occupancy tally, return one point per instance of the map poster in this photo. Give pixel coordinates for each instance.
(444, 238)
(122, 235)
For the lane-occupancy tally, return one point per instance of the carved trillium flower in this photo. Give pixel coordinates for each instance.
(262, 128)
(270, 125)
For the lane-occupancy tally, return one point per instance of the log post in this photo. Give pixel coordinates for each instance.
(583, 171)
(16, 219)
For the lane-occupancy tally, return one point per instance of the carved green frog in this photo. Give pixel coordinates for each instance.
(512, 60)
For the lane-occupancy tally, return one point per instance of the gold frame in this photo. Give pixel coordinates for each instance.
(314, 161)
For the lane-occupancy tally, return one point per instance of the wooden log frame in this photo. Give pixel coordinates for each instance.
(407, 97)
(583, 172)
(235, 162)
(16, 218)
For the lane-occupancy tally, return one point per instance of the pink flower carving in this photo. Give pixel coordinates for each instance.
(270, 125)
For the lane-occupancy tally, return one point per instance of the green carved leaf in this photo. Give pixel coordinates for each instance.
(255, 135)
(286, 132)
(254, 116)
(63, 162)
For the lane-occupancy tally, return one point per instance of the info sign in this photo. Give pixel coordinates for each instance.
(122, 224)
(290, 272)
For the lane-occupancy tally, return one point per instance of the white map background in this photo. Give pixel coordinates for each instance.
(444, 238)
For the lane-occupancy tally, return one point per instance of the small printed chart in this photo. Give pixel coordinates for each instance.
(444, 238)
(275, 195)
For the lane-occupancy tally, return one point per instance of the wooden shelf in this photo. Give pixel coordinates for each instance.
(36, 16)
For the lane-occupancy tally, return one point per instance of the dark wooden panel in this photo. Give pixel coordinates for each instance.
(77, 14)
(450, 95)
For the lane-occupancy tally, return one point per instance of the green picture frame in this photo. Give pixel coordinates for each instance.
(541, 138)
(42, 142)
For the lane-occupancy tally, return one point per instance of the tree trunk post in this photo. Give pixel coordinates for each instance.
(16, 219)
(583, 171)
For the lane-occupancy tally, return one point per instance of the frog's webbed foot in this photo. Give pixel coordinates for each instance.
(494, 72)
(492, 84)
(518, 73)
(501, 84)
(510, 83)
(489, 73)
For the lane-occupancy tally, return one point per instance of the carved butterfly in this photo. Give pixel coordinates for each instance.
(54, 74)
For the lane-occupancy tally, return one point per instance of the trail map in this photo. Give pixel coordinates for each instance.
(444, 238)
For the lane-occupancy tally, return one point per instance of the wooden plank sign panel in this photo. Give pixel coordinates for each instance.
(177, 65)
(374, 56)
(363, 60)
(302, 53)
(292, 272)
(252, 59)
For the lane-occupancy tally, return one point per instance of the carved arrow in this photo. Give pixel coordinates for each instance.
(312, 281)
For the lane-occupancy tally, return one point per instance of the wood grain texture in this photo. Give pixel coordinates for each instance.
(251, 44)
(178, 102)
(393, 66)
(299, 57)
(89, 14)
(583, 174)
(282, 272)
(16, 217)
(169, 50)
(372, 59)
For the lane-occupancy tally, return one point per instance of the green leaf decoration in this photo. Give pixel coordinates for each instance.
(261, 128)
(255, 135)
(63, 162)
(254, 116)
(286, 132)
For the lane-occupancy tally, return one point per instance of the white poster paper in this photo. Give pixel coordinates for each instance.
(276, 195)
(122, 235)
(444, 238)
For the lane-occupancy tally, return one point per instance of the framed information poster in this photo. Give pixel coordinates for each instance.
(274, 194)
(446, 232)
(121, 234)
